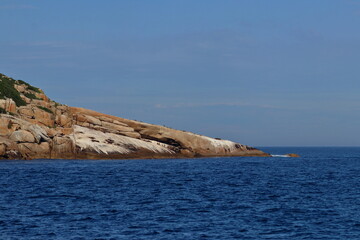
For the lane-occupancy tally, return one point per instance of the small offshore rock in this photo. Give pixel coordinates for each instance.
(293, 155)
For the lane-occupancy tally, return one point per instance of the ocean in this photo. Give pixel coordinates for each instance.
(316, 196)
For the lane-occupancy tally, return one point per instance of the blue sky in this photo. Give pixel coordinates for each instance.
(263, 73)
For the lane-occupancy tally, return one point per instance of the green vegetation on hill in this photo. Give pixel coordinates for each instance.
(29, 87)
(31, 96)
(45, 109)
(7, 90)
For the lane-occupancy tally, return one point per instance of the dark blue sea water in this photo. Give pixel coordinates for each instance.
(316, 196)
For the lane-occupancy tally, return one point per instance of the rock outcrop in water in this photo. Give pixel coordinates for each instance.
(33, 126)
(292, 155)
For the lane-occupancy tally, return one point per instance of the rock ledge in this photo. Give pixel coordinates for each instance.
(32, 126)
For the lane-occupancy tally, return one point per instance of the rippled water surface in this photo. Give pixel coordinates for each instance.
(316, 196)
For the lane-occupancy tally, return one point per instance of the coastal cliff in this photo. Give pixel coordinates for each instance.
(32, 126)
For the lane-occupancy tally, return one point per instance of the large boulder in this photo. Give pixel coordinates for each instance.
(87, 120)
(34, 150)
(6, 126)
(2, 149)
(63, 147)
(22, 136)
(38, 132)
(44, 117)
(65, 121)
(8, 104)
(116, 127)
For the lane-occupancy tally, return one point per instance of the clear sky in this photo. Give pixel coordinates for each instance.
(260, 72)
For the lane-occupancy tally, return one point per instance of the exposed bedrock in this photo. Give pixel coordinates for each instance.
(33, 126)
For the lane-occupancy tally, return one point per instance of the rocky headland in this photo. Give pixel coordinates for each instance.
(32, 126)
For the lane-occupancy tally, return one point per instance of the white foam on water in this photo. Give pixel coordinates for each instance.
(274, 155)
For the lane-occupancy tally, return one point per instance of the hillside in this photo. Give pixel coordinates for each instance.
(33, 126)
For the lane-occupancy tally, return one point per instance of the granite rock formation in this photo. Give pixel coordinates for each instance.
(32, 126)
